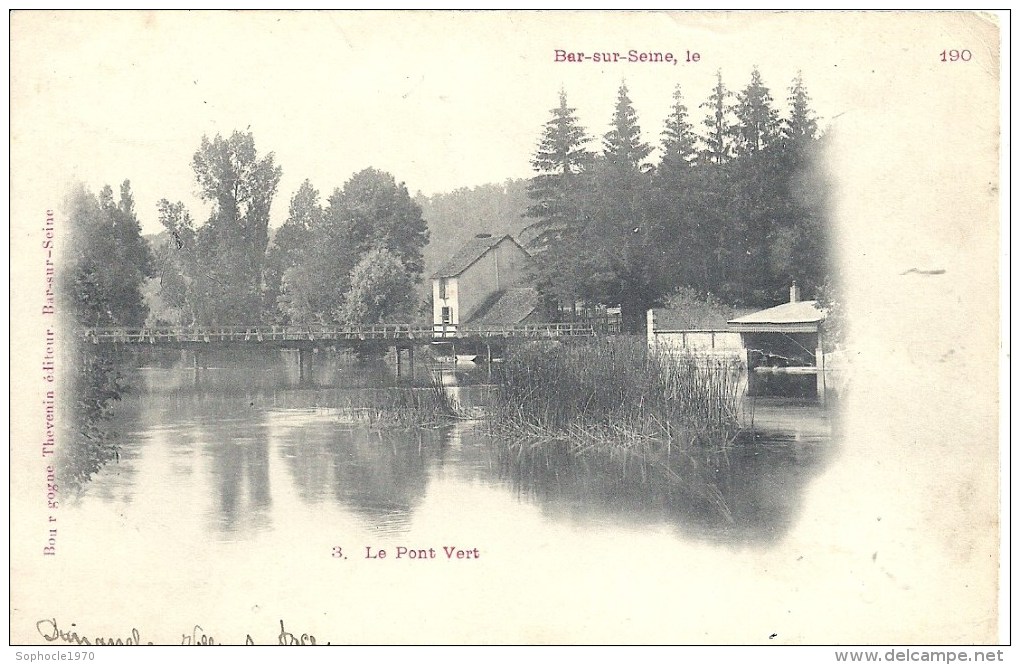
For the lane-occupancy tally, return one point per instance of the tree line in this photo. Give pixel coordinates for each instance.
(731, 211)
(734, 211)
(355, 258)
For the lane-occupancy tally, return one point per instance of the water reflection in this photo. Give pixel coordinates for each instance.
(745, 494)
(380, 476)
(260, 448)
(240, 466)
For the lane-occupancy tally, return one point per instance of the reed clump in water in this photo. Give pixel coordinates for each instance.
(614, 392)
(423, 404)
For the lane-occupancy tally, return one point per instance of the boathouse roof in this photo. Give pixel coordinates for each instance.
(467, 255)
(800, 316)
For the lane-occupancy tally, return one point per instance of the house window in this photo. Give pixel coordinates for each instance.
(446, 315)
(442, 288)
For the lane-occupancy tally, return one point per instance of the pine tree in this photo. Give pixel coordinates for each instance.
(800, 250)
(562, 149)
(757, 126)
(718, 149)
(801, 126)
(678, 203)
(622, 144)
(558, 193)
(679, 146)
(620, 265)
(560, 161)
(758, 198)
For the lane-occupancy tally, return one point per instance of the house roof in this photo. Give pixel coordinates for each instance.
(695, 318)
(510, 307)
(468, 254)
(801, 316)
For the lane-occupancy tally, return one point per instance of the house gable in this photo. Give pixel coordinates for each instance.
(476, 275)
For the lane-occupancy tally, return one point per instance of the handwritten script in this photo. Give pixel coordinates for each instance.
(195, 636)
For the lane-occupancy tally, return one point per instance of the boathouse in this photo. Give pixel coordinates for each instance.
(483, 284)
(783, 348)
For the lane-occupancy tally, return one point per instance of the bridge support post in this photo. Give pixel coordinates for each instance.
(396, 349)
(198, 363)
(410, 359)
(820, 367)
(752, 378)
(305, 365)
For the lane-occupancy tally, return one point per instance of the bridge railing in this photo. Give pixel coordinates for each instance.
(312, 333)
(211, 334)
(530, 330)
(533, 330)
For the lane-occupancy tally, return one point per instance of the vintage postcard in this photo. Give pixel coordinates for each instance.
(516, 327)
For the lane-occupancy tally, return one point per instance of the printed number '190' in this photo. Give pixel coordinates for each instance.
(955, 55)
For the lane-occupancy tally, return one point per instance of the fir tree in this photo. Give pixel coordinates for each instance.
(757, 126)
(801, 126)
(679, 144)
(719, 128)
(562, 157)
(622, 145)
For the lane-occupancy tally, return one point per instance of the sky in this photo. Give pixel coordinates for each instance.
(441, 100)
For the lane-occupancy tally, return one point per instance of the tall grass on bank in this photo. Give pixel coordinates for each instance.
(614, 391)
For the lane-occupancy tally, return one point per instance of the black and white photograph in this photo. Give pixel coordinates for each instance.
(510, 328)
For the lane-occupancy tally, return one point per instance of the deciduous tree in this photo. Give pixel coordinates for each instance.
(232, 244)
(371, 212)
(107, 260)
(382, 291)
(291, 242)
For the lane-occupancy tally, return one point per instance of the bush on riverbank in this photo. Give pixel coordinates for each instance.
(614, 391)
(88, 441)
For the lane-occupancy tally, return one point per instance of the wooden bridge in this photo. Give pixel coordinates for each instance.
(318, 336)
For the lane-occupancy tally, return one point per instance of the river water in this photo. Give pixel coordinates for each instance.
(244, 497)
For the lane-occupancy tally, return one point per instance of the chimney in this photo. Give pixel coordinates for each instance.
(483, 235)
(794, 292)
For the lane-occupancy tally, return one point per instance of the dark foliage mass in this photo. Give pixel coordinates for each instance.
(367, 235)
(731, 206)
(89, 440)
(352, 260)
(106, 262)
(737, 211)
